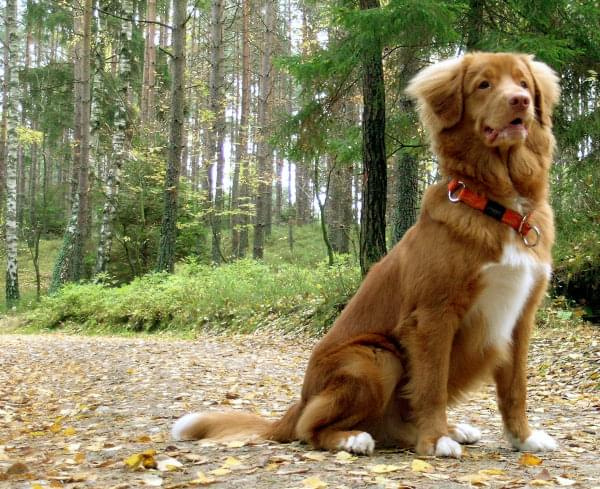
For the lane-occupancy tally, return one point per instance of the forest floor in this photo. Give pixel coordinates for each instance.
(90, 412)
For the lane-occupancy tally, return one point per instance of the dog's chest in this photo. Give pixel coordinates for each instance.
(507, 285)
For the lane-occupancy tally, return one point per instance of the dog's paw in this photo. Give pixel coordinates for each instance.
(361, 444)
(538, 441)
(447, 447)
(465, 434)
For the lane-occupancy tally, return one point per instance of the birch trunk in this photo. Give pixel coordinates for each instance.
(118, 141)
(149, 76)
(12, 119)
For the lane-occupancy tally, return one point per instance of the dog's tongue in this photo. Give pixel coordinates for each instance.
(516, 127)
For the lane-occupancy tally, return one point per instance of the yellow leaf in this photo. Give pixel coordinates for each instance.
(55, 427)
(79, 457)
(143, 439)
(421, 466)
(529, 460)
(492, 472)
(202, 479)
(540, 482)
(384, 469)
(272, 466)
(37, 486)
(70, 431)
(474, 479)
(134, 461)
(314, 483)
(168, 464)
(231, 462)
(316, 456)
(220, 471)
(345, 457)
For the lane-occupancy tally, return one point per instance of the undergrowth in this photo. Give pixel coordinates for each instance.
(239, 297)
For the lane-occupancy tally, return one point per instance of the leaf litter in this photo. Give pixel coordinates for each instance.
(93, 412)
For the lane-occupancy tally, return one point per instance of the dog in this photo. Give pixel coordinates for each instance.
(453, 303)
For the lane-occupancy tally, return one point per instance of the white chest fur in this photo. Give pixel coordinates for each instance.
(507, 286)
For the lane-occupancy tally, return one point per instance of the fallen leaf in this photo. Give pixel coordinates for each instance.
(316, 456)
(231, 462)
(70, 431)
(419, 465)
(202, 479)
(17, 468)
(474, 479)
(540, 482)
(314, 483)
(168, 464)
(345, 457)
(152, 480)
(221, 471)
(492, 472)
(384, 469)
(563, 481)
(236, 444)
(529, 460)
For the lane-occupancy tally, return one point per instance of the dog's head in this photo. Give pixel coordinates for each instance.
(499, 96)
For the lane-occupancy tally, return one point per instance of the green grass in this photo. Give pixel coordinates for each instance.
(240, 297)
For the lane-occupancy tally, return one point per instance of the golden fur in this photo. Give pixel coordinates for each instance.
(426, 324)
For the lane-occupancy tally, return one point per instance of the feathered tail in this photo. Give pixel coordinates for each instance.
(229, 426)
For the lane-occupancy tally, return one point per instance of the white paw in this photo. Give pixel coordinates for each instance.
(447, 447)
(362, 444)
(465, 433)
(538, 441)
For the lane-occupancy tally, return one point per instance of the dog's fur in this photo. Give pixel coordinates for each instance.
(454, 302)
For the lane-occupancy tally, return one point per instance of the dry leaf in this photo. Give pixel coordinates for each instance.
(492, 472)
(419, 465)
(314, 483)
(231, 462)
(220, 471)
(17, 468)
(563, 481)
(345, 457)
(385, 469)
(202, 479)
(474, 479)
(70, 431)
(540, 482)
(529, 460)
(168, 464)
(316, 456)
(152, 480)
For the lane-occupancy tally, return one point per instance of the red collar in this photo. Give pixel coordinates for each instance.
(458, 192)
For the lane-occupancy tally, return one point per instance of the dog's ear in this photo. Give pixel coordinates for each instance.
(439, 93)
(547, 90)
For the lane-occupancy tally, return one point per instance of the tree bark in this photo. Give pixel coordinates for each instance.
(407, 191)
(168, 231)
(372, 231)
(239, 233)
(121, 123)
(149, 76)
(12, 118)
(264, 151)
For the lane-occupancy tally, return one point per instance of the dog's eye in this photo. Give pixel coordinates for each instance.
(484, 84)
(524, 84)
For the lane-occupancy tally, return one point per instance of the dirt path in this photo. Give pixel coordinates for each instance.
(72, 409)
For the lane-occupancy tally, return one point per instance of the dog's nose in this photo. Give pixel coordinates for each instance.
(519, 102)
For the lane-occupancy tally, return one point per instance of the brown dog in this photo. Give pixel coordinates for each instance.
(454, 302)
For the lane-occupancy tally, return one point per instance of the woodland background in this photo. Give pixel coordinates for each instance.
(203, 164)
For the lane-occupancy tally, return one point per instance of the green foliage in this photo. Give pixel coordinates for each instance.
(241, 296)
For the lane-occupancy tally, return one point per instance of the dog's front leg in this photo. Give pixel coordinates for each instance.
(511, 383)
(429, 351)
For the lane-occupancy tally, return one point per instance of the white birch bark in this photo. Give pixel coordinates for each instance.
(118, 141)
(12, 81)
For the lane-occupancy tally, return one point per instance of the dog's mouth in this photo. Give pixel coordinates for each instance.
(513, 132)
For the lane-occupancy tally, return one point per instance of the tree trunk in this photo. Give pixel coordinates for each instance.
(407, 192)
(168, 231)
(264, 151)
(121, 124)
(340, 208)
(149, 76)
(239, 236)
(372, 230)
(10, 108)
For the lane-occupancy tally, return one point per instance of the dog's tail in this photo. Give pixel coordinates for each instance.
(230, 426)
